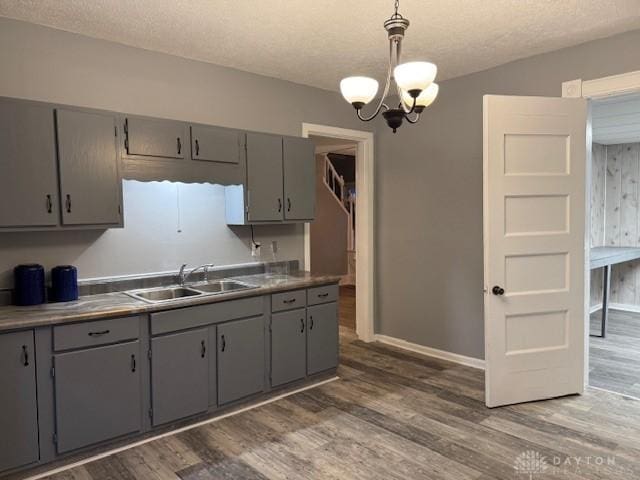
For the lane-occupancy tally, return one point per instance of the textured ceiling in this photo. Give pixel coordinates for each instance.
(317, 42)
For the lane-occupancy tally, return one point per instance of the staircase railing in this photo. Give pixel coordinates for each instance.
(347, 200)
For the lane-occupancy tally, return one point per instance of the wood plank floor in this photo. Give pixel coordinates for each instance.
(394, 415)
(348, 306)
(614, 361)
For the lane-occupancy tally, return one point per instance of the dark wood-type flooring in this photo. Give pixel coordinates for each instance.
(395, 415)
(348, 306)
(614, 361)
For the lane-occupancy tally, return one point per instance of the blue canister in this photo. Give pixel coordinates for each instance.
(29, 284)
(64, 283)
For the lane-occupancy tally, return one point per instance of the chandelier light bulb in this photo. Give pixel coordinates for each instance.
(359, 91)
(413, 77)
(426, 97)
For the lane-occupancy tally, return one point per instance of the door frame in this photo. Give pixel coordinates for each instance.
(611, 86)
(365, 268)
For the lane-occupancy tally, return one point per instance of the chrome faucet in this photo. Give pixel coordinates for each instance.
(183, 275)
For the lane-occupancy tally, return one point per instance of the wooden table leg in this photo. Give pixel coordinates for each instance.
(606, 288)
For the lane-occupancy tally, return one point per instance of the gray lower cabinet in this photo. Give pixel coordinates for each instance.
(264, 178)
(153, 137)
(18, 407)
(97, 395)
(322, 337)
(179, 375)
(240, 359)
(88, 158)
(288, 346)
(299, 168)
(216, 144)
(28, 175)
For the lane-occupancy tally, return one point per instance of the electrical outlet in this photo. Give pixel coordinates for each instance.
(255, 249)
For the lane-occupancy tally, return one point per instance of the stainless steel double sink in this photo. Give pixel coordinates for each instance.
(167, 294)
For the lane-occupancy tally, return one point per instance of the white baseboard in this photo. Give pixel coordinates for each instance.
(431, 352)
(625, 307)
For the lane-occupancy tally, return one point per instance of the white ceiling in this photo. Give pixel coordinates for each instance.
(616, 120)
(317, 42)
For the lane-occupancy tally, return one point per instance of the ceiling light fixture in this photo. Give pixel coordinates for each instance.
(414, 82)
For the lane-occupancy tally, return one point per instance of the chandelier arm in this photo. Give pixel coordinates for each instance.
(381, 104)
(415, 120)
(404, 107)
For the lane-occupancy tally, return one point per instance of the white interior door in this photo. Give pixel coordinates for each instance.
(534, 247)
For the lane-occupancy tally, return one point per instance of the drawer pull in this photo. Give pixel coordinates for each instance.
(49, 204)
(323, 295)
(203, 349)
(311, 326)
(133, 363)
(179, 145)
(99, 334)
(25, 356)
(197, 147)
(302, 325)
(291, 300)
(224, 343)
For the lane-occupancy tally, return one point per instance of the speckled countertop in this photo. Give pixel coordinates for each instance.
(119, 304)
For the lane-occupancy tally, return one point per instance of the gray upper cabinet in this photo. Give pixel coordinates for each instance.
(89, 180)
(216, 144)
(98, 395)
(152, 137)
(28, 176)
(18, 408)
(179, 375)
(240, 359)
(288, 346)
(264, 178)
(322, 337)
(299, 178)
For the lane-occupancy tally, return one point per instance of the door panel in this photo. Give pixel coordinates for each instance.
(215, 144)
(89, 179)
(155, 137)
(288, 346)
(240, 359)
(534, 244)
(179, 375)
(28, 176)
(322, 337)
(299, 178)
(18, 408)
(98, 395)
(264, 178)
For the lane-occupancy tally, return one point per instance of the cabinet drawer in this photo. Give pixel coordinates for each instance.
(324, 294)
(203, 315)
(288, 300)
(90, 334)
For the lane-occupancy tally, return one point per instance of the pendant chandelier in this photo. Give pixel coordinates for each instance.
(414, 82)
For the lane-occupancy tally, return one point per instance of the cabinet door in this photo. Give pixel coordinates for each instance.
(240, 359)
(179, 375)
(299, 178)
(155, 137)
(322, 337)
(264, 178)
(215, 144)
(98, 395)
(288, 346)
(18, 407)
(28, 177)
(213, 368)
(89, 178)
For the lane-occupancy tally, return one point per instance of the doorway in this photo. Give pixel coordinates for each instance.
(340, 241)
(614, 314)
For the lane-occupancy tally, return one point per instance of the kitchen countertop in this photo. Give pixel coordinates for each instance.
(119, 304)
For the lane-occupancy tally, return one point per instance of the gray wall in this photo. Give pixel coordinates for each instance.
(40, 63)
(429, 196)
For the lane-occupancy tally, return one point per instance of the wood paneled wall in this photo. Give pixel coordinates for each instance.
(621, 216)
(598, 185)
